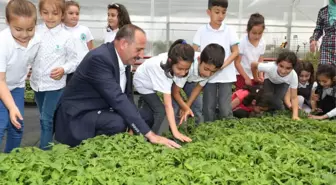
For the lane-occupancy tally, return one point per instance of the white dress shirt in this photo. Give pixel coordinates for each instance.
(57, 49)
(122, 69)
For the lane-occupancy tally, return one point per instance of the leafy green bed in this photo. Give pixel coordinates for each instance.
(257, 151)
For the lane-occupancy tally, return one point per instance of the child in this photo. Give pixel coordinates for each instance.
(82, 34)
(204, 66)
(18, 46)
(218, 90)
(156, 75)
(279, 76)
(117, 18)
(324, 95)
(251, 49)
(56, 58)
(250, 100)
(305, 70)
(325, 27)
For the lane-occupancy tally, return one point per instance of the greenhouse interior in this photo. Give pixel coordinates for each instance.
(155, 105)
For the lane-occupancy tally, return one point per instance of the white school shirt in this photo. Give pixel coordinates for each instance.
(249, 53)
(193, 75)
(150, 77)
(110, 35)
(14, 58)
(57, 49)
(271, 73)
(225, 36)
(122, 73)
(82, 35)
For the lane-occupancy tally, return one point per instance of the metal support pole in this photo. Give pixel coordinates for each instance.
(152, 14)
(289, 25)
(240, 17)
(168, 25)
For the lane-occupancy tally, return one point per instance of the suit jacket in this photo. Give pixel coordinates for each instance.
(95, 86)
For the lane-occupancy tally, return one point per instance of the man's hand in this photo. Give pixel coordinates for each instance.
(156, 139)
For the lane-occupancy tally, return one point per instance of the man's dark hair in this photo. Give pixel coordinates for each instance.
(127, 32)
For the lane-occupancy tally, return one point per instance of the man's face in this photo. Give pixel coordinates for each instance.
(132, 51)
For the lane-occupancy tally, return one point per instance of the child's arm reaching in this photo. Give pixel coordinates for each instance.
(295, 104)
(254, 69)
(171, 119)
(287, 99)
(261, 74)
(184, 107)
(241, 70)
(195, 92)
(232, 57)
(7, 99)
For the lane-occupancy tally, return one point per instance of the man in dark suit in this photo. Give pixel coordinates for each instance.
(99, 99)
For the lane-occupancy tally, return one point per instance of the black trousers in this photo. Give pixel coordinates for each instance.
(152, 111)
(278, 91)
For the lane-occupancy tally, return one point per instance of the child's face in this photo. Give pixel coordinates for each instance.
(71, 16)
(325, 81)
(206, 70)
(256, 32)
(217, 15)
(304, 77)
(22, 29)
(51, 15)
(113, 18)
(284, 68)
(181, 68)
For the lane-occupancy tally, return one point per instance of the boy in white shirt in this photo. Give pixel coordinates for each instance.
(218, 90)
(56, 58)
(204, 66)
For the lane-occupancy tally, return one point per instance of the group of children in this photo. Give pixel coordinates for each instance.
(215, 61)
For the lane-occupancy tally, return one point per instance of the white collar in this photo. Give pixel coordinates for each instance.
(68, 27)
(122, 66)
(303, 85)
(221, 28)
(52, 30)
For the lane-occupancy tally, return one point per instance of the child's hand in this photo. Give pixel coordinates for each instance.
(313, 46)
(57, 73)
(184, 115)
(248, 81)
(315, 97)
(14, 115)
(318, 117)
(181, 137)
(296, 118)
